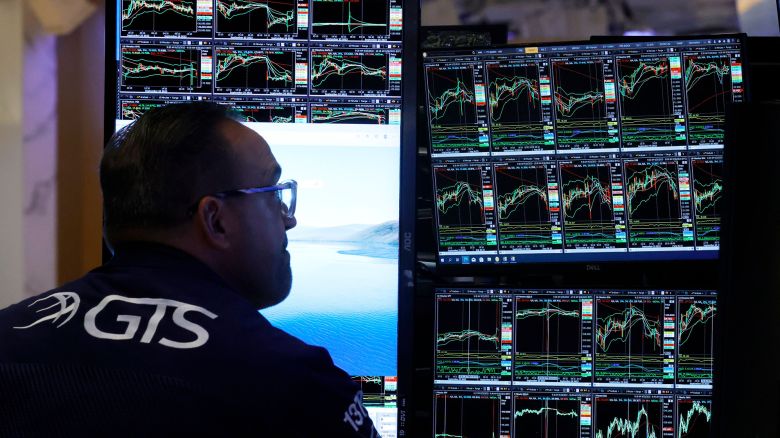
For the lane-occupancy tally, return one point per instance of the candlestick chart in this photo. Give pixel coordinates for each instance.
(708, 86)
(350, 17)
(250, 69)
(524, 207)
(256, 17)
(696, 340)
(707, 176)
(580, 105)
(548, 337)
(452, 108)
(160, 67)
(348, 71)
(587, 205)
(158, 15)
(516, 108)
(460, 206)
(468, 339)
(551, 416)
(647, 104)
(694, 418)
(634, 419)
(653, 201)
(471, 415)
(629, 339)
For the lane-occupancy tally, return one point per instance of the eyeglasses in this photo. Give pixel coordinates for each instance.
(286, 193)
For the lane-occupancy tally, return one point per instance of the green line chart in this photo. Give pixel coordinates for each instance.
(349, 71)
(695, 418)
(163, 15)
(620, 327)
(504, 91)
(161, 67)
(274, 68)
(707, 174)
(460, 97)
(586, 196)
(708, 85)
(245, 16)
(693, 317)
(453, 196)
(639, 426)
(649, 183)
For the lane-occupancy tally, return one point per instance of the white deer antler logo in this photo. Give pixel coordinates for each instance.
(68, 303)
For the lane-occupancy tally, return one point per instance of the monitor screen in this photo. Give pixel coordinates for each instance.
(573, 363)
(320, 80)
(580, 152)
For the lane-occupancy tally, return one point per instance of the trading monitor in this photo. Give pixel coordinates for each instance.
(573, 362)
(320, 80)
(580, 152)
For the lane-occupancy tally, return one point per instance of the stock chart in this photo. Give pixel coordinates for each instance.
(582, 120)
(455, 105)
(550, 415)
(465, 206)
(640, 416)
(175, 68)
(527, 206)
(257, 18)
(350, 18)
(632, 344)
(354, 113)
(708, 87)
(247, 69)
(552, 335)
(707, 174)
(591, 218)
(158, 15)
(695, 339)
(517, 116)
(471, 337)
(650, 102)
(694, 417)
(335, 71)
(658, 202)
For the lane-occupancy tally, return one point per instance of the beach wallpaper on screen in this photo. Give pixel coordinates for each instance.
(344, 254)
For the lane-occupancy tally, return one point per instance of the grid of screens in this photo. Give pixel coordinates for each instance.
(574, 363)
(287, 61)
(580, 152)
(320, 80)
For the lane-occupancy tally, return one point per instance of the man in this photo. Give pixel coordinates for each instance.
(166, 338)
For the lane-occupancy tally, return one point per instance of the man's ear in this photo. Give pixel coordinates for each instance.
(210, 219)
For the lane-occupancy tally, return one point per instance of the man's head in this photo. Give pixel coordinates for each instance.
(161, 178)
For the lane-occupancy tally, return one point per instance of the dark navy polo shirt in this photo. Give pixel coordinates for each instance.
(161, 329)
